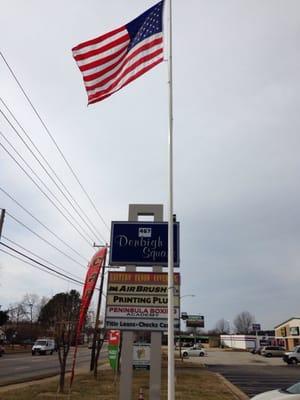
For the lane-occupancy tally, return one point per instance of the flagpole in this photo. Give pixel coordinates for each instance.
(171, 366)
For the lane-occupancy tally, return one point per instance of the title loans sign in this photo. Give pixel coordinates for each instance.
(139, 301)
(142, 243)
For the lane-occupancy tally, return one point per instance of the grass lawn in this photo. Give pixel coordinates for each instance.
(17, 349)
(192, 383)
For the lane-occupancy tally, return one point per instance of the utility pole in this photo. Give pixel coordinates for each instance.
(2, 220)
(30, 305)
(98, 342)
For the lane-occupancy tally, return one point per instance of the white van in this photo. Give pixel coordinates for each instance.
(43, 346)
(292, 357)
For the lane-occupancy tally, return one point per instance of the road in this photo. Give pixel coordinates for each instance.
(15, 368)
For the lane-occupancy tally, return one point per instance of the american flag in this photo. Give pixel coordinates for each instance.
(114, 59)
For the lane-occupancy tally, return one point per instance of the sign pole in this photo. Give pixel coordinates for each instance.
(171, 366)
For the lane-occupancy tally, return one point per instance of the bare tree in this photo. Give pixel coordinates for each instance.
(60, 314)
(243, 322)
(222, 326)
(17, 313)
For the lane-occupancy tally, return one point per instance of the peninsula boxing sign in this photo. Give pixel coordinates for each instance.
(139, 301)
(147, 312)
(142, 243)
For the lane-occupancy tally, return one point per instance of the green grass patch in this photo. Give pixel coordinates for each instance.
(191, 384)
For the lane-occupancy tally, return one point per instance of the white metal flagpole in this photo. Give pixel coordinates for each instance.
(171, 366)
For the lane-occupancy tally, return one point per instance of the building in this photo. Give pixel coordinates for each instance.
(248, 342)
(288, 332)
(244, 342)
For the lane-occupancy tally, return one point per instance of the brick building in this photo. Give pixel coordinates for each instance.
(289, 332)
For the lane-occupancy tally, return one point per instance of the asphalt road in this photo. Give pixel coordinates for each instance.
(251, 373)
(15, 368)
(257, 379)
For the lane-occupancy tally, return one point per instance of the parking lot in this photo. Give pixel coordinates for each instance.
(251, 373)
(228, 357)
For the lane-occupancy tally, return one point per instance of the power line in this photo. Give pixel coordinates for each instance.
(38, 186)
(39, 263)
(43, 239)
(45, 186)
(35, 266)
(53, 141)
(41, 258)
(47, 172)
(42, 224)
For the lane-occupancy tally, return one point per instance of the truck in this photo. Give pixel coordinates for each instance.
(292, 357)
(44, 346)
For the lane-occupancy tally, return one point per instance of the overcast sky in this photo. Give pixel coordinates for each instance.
(236, 146)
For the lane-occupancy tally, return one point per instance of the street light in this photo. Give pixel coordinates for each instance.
(187, 295)
(230, 333)
(30, 305)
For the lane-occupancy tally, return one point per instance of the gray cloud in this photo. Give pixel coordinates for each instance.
(236, 162)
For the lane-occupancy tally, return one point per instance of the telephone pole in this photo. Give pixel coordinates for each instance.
(2, 220)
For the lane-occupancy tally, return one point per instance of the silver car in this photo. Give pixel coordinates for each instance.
(272, 351)
(194, 351)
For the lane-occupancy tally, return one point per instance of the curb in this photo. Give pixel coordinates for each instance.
(238, 394)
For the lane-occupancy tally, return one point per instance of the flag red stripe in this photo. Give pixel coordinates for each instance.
(101, 61)
(128, 57)
(98, 39)
(89, 78)
(102, 49)
(119, 76)
(106, 93)
(132, 78)
(112, 65)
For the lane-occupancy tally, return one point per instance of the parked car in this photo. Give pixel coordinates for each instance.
(272, 351)
(1, 350)
(194, 351)
(292, 357)
(291, 393)
(44, 346)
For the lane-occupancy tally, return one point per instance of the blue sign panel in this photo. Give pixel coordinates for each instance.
(142, 243)
(256, 327)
